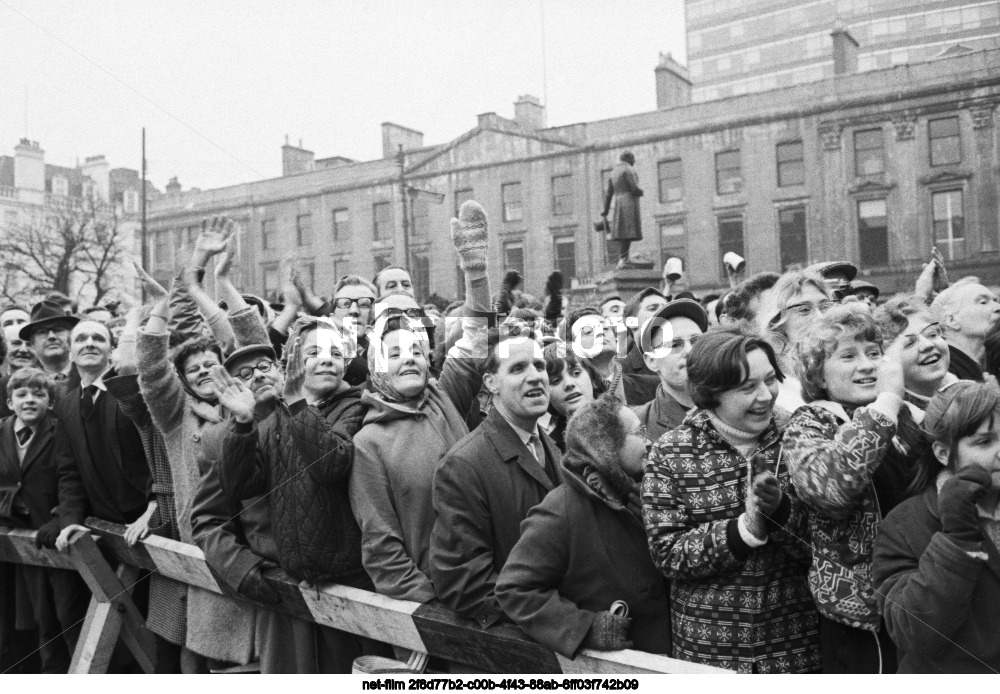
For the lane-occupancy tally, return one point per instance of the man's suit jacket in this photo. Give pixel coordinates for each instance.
(39, 486)
(82, 490)
(484, 488)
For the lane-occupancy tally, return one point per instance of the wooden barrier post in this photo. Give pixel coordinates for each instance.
(111, 612)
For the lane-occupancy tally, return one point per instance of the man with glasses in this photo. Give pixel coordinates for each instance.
(666, 341)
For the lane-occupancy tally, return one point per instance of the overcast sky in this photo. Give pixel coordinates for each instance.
(219, 84)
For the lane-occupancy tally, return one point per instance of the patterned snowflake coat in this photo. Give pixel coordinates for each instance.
(732, 606)
(832, 459)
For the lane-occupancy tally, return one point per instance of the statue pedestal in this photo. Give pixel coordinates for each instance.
(625, 282)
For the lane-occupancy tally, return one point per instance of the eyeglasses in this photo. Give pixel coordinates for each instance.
(363, 303)
(807, 308)
(933, 331)
(246, 373)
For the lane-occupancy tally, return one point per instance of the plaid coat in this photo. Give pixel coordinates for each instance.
(731, 606)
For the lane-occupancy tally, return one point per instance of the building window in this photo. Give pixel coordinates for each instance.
(420, 213)
(673, 242)
(382, 262)
(869, 152)
(303, 230)
(671, 180)
(946, 143)
(382, 225)
(60, 186)
(949, 223)
(270, 281)
(130, 201)
(267, 240)
(341, 267)
(341, 224)
(791, 164)
(873, 232)
(728, 173)
(460, 197)
(513, 256)
(565, 256)
(513, 211)
(420, 273)
(730, 236)
(562, 194)
(792, 236)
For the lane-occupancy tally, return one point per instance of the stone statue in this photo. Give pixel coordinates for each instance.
(625, 224)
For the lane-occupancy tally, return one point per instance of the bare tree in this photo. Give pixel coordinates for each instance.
(72, 247)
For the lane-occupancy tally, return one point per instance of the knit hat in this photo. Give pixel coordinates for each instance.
(470, 234)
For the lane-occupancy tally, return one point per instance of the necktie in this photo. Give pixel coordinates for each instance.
(87, 401)
(535, 446)
(23, 435)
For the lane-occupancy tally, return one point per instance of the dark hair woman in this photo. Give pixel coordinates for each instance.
(723, 522)
(573, 383)
(937, 556)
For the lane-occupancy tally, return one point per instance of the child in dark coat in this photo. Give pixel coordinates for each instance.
(56, 598)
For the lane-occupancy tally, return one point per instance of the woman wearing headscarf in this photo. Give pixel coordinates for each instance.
(584, 547)
(852, 457)
(411, 422)
(937, 556)
(723, 522)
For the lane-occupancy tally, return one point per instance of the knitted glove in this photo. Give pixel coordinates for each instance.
(608, 632)
(504, 301)
(256, 587)
(45, 536)
(957, 503)
(470, 234)
(553, 289)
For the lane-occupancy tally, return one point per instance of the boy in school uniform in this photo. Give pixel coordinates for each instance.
(29, 495)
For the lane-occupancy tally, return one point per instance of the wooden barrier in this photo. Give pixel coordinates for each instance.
(422, 628)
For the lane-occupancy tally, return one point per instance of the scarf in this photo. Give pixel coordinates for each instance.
(378, 368)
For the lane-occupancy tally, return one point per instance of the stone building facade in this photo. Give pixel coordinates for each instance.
(872, 167)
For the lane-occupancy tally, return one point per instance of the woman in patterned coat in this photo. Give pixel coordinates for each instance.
(852, 455)
(723, 523)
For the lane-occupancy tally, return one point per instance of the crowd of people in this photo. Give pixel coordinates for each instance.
(798, 475)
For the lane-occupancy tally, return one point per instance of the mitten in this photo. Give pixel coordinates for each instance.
(505, 297)
(553, 305)
(608, 632)
(470, 234)
(45, 536)
(256, 587)
(957, 503)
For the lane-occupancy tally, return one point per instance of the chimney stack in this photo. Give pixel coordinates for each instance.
(673, 84)
(173, 187)
(96, 168)
(845, 50)
(295, 159)
(395, 135)
(29, 166)
(529, 112)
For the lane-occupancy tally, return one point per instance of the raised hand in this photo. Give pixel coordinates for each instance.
(212, 240)
(153, 288)
(233, 394)
(470, 235)
(890, 370)
(226, 259)
(295, 374)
